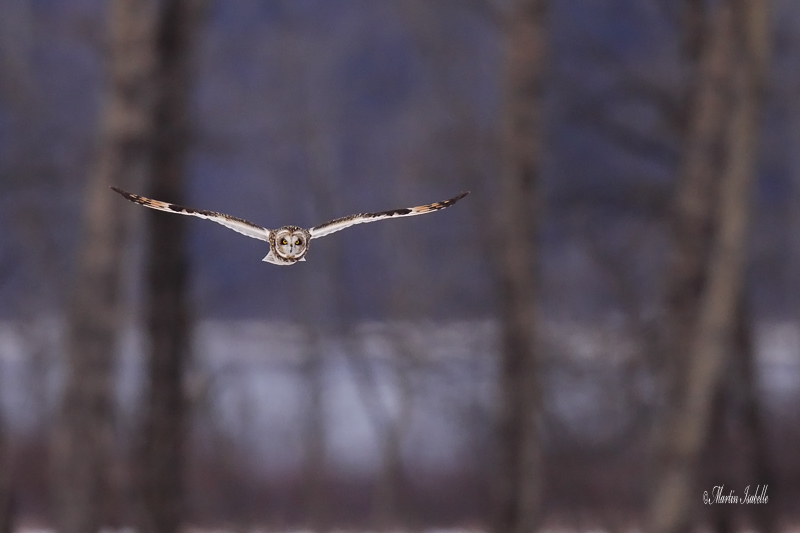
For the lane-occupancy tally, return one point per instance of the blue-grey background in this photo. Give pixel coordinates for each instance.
(309, 110)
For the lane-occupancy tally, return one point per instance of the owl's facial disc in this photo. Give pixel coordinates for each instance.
(291, 243)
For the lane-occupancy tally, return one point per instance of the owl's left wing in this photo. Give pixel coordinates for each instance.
(360, 218)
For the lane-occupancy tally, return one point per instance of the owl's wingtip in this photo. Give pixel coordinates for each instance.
(454, 199)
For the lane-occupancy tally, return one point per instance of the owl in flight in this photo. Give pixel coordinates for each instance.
(289, 244)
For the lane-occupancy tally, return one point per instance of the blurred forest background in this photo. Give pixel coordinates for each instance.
(607, 328)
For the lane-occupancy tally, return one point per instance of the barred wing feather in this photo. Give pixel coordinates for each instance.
(236, 224)
(361, 218)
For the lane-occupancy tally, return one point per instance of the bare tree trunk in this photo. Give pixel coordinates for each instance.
(6, 487)
(720, 454)
(316, 509)
(675, 494)
(709, 47)
(167, 309)
(387, 507)
(83, 436)
(698, 181)
(389, 429)
(519, 474)
(756, 447)
(737, 406)
(319, 293)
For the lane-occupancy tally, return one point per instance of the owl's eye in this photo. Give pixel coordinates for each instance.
(297, 242)
(284, 242)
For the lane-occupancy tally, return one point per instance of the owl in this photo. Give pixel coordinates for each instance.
(289, 244)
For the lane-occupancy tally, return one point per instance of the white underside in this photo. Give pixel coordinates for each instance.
(270, 258)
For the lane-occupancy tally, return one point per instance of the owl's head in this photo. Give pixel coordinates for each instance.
(289, 244)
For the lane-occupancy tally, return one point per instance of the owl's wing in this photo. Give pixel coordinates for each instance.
(236, 224)
(345, 222)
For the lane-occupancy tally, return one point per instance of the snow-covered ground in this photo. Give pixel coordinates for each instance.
(434, 381)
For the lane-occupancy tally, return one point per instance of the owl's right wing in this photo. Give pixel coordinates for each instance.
(236, 224)
(345, 222)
